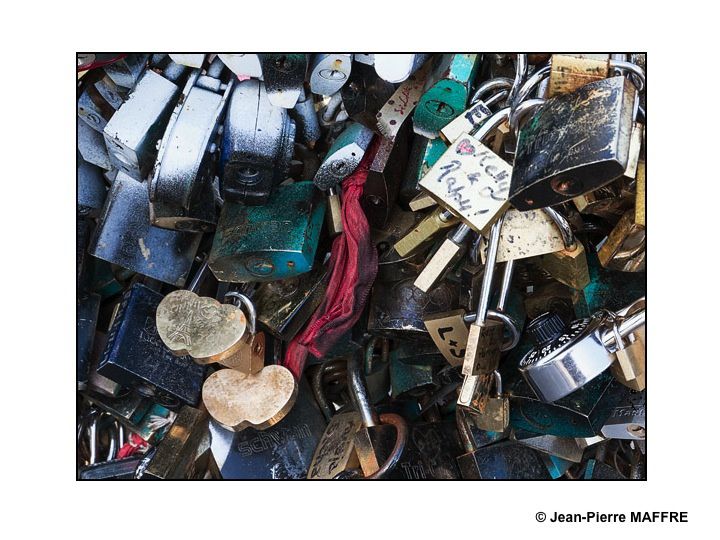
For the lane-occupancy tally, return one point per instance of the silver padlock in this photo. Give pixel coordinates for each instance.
(627, 420)
(329, 72)
(132, 133)
(395, 68)
(243, 65)
(91, 146)
(181, 191)
(126, 71)
(566, 358)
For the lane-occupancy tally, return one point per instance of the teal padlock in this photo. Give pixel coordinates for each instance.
(423, 155)
(556, 466)
(446, 93)
(270, 242)
(408, 380)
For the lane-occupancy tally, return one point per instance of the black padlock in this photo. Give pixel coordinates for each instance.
(257, 146)
(364, 94)
(136, 357)
(284, 75)
(88, 306)
(575, 143)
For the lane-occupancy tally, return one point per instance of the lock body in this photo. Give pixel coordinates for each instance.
(284, 75)
(136, 357)
(575, 143)
(266, 243)
(132, 133)
(364, 95)
(408, 379)
(257, 145)
(91, 189)
(446, 93)
(126, 71)
(335, 452)
(329, 72)
(284, 451)
(502, 461)
(181, 189)
(627, 419)
(344, 156)
(124, 236)
(581, 414)
(398, 309)
(424, 153)
(88, 306)
(91, 146)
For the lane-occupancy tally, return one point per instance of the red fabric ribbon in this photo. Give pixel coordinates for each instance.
(135, 444)
(353, 267)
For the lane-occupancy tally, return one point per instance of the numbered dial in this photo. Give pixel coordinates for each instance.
(575, 332)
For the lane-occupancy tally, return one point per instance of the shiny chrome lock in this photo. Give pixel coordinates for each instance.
(284, 75)
(595, 123)
(564, 359)
(446, 93)
(182, 192)
(329, 72)
(395, 68)
(124, 236)
(257, 145)
(132, 133)
(274, 241)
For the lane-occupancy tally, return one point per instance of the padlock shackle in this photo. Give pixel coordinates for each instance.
(524, 109)
(568, 237)
(490, 260)
(498, 83)
(503, 318)
(532, 83)
(249, 306)
(491, 124)
(625, 328)
(466, 437)
(521, 68)
(505, 284)
(634, 69)
(199, 275)
(358, 391)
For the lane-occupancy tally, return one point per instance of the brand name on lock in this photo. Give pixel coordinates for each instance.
(265, 441)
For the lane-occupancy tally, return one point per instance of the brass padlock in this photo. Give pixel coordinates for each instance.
(624, 248)
(629, 369)
(489, 413)
(567, 265)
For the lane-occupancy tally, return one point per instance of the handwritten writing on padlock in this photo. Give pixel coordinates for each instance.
(259, 400)
(199, 326)
(449, 333)
(470, 180)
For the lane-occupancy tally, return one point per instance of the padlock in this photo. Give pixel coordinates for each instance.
(446, 93)
(395, 68)
(409, 380)
(93, 109)
(579, 414)
(553, 296)
(243, 65)
(482, 353)
(381, 440)
(176, 457)
(424, 153)
(329, 72)
(270, 242)
(306, 120)
(202, 327)
(629, 369)
(418, 353)
(490, 413)
(283, 451)
(568, 265)
(567, 357)
(624, 248)
(383, 180)
(597, 470)
(91, 189)
(627, 419)
(124, 236)
(238, 400)
(569, 73)
(181, 189)
(284, 306)
(450, 333)
(344, 156)
(398, 309)
(505, 460)
(335, 453)
(91, 146)
(595, 123)
(136, 357)
(609, 289)
(257, 145)
(126, 71)
(116, 469)
(365, 94)
(132, 133)
(607, 202)
(447, 254)
(423, 234)
(193, 60)
(284, 75)
(88, 306)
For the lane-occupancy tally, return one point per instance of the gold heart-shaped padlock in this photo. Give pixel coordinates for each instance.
(199, 326)
(259, 400)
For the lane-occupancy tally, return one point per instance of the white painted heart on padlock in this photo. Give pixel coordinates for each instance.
(259, 400)
(199, 326)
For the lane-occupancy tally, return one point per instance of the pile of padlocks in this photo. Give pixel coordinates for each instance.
(406, 266)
